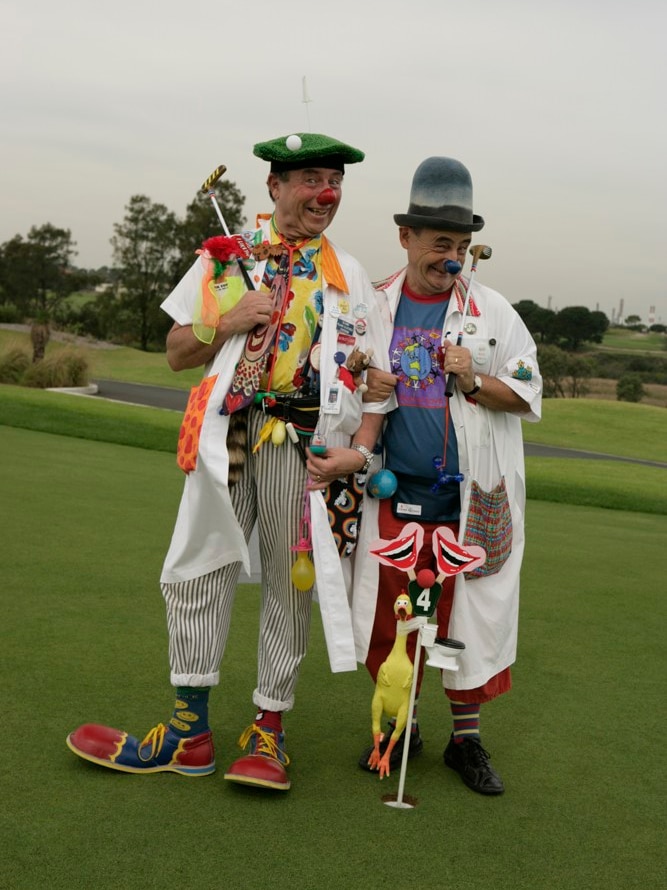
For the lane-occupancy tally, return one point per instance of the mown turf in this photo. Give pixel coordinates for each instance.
(624, 429)
(114, 363)
(84, 527)
(607, 484)
(87, 418)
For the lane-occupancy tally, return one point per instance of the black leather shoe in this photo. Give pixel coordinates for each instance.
(472, 763)
(416, 747)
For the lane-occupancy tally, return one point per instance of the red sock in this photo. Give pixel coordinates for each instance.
(270, 719)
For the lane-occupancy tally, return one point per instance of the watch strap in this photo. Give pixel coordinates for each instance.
(367, 454)
(476, 388)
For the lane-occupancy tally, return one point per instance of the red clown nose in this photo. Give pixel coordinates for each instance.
(328, 196)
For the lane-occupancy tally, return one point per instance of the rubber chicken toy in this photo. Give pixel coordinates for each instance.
(392, 688)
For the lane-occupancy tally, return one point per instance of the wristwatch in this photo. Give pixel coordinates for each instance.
(367, 454)
(476, 388)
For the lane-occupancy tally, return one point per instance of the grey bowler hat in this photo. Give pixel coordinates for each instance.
(441, 198)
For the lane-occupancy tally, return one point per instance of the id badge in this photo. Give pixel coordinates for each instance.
(332, 398)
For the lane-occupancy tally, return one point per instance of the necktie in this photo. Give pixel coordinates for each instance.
(252, 363)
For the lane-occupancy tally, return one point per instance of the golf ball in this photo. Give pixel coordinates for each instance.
(293, 142)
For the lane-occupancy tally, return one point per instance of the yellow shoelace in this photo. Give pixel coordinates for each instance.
(154, 738)
(267, 743)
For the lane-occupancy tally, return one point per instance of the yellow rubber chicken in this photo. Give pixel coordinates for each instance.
(392, 688)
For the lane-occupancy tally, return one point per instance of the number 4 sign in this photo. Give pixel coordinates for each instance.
(424, 587)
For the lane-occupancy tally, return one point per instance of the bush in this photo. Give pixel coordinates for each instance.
(13, 365)
(69, 367)
(83, 321)
(630, 388)
(614, 365)
(10, 314)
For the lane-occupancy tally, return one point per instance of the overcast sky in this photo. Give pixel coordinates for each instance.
(557, 109)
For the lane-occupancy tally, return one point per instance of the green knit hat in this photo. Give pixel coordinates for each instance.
(299, 150)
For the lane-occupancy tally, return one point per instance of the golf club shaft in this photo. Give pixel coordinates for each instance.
(479, 251)
(207, 187)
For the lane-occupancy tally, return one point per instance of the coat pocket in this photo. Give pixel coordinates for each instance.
(489, 525)
(188, 437)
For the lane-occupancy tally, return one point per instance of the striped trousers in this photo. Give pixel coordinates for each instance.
(271, 494)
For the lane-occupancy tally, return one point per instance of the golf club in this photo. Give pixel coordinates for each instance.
(207, 188)
(478, 252)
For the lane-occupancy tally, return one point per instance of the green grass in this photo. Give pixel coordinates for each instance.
(85, 526)
(611, 484)
(132, 366)
(80, 298)
(85, 418)
(597, 483)
(116, 363)
(619, 428)
(623, 339)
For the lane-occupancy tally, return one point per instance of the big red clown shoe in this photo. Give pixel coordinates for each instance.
(265, 765)
(160, 751)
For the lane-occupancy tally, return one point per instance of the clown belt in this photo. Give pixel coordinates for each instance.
(301, 411)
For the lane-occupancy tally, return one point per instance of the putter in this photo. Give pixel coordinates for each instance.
(478, 252)
(207, 188)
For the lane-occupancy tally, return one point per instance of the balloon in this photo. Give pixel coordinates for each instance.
(303, 571)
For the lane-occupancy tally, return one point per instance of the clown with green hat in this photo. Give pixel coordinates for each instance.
(271, 360)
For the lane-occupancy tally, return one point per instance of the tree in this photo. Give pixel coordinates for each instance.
(633, 319)
(554, 369)
(201, 221)
(537, 319)
(630, 388)
(37, 274)
(599, 326)
(575, 325)
(579, 371)
(146, 254)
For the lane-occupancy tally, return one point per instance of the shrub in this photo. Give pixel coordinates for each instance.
(630, 388)
(69, 367)
(10, 314)
(13, 365)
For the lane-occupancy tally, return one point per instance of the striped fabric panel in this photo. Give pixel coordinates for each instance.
(271, 492)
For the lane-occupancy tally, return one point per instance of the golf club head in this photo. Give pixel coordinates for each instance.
(480, 252)
(213, 178)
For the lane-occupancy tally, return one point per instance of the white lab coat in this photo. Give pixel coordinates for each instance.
(207, 534)
(490, 444)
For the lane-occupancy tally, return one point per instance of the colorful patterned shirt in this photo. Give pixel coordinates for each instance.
(415, 433)
(300, 316)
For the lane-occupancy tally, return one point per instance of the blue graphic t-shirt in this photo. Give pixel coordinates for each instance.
(415, 434)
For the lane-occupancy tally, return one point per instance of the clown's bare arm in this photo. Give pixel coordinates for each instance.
(493, 393)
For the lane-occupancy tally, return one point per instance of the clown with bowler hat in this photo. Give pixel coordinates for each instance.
(457, 459)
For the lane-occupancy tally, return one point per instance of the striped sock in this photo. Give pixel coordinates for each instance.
(190, 715)
(466, 720)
